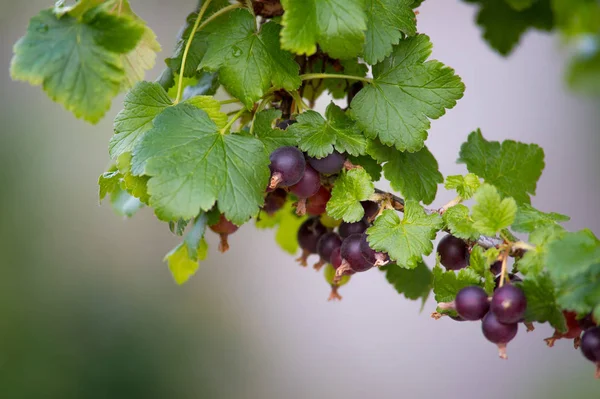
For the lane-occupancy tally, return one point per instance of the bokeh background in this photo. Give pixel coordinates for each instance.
(88, 309)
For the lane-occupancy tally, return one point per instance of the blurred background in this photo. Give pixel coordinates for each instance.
(88, 309)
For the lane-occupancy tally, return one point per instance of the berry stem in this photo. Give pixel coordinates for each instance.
(230, 123)
(504, 256)
(450, 204)
(230, 101)
(311, 76)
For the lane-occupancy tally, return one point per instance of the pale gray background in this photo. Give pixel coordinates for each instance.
(81, 284)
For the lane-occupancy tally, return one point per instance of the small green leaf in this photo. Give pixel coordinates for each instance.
(350, 188)
(412, 283)
(465, 186)
(533, 261)
(337, 25)
(446, 284)
(77, 62)
(491, 213)
(572, 254)
(372, 167)
(287, 232)
(249, 62)
(319, 136)
(108, 183)
(416, 175)
(405, 240)
(529, 219)
(181, 265)
(541, 302)
(125, 204)
(460, 223)
(272, 138)
(513, 168)
(387, 21)
(503, 25)
(407, 91)
(581, 293)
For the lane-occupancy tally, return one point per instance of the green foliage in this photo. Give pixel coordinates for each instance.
(318, 136)
(414, 174)
(406, 240)
(491, 214)
(513, 168)
(177, 151)
(80, 60)
(249, 62)
(407, 91)
(350, 188)
(412, 283)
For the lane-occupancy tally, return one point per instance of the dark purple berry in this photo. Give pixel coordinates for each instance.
(496, 268)
(308, 185)
(590, 344)
(284, 124)
(353, 255)
(454, 252)
(274, 201)
(327, 243)
(371, 209)
(472, 303)
(287, 167)
(586, 322)
(347, 229)
(497, 332)
(309, 233)
(508, 304)
(329, 165)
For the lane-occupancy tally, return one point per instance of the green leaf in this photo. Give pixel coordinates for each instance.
(192, 165)
(465, 185)
(460, 223)
(412, 283)
(529, 219)
(183, 260)
(479, 262)
(372, 167)
(125, 204)
(108, 183)
(139, 60)
(583, 72)
(541, 302)
(503, 26)
(387, 20)
(405, 240)
(142, 104)
(407, 91)
(491, 213)
(249, 62)
(337, 25)
(416, 175)
(572, 254)
(271, 137)
(136, 186)
(77, 62)
(581, 293)
(319, 136)
(513, 167)
(520, 5)
(533, 261)
(446, 284)
(350, 188)
(288, 225)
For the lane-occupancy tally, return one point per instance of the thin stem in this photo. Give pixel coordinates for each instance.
(230, 101)
(450, 204)
(260, 107)
(310, 76)
(524, 245)
(299, 103)
(187, 49)
(232, 120)
(235, 111)
(504, 256)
